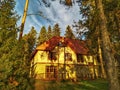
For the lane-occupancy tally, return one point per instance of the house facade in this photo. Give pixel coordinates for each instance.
(63, 58)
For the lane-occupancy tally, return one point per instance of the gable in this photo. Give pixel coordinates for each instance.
(76, 45)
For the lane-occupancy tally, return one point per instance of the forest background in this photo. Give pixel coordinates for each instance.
(101, 18)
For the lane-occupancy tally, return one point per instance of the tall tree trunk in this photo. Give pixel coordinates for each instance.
(23, 19)
(107, 49)
(101, 59)
(117, 16)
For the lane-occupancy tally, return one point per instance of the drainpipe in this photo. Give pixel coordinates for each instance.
(58, 76)
(64, 60)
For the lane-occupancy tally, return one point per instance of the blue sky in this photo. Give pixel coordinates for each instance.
(56, 13)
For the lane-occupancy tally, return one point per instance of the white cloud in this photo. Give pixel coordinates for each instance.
(57, 13)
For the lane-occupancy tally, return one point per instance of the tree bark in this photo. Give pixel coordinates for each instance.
(101, 59)
(107, 49)
(117, 16)
(23, 19)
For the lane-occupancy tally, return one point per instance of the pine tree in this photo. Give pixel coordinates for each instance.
(56, 30)
(69, 33)
(42, 36)
(49, 33)
(30, 42)
(107, 47)
(7, 39)
(99, 28)
(112, 12)
(20, 68)
(14, 73)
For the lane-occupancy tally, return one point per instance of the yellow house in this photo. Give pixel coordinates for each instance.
(63, 58)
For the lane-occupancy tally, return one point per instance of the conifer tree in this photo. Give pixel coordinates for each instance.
(49, 33)
(56, 30)
(69, 33)
(42, 36)
(14, 73)
(102, 27)
(30, 42)
(107, 47)
(7, 39)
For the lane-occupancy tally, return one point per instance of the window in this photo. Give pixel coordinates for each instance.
(98, 59)
(90, 63)
(61, 44)
(51, 72)
(68, 56)
(80, 58)
(52, 56)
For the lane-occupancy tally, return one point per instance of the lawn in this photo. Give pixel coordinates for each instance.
(82, 85)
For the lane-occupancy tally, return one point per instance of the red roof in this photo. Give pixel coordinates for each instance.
(76, 45)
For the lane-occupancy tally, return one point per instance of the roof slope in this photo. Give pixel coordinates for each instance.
(76, 45)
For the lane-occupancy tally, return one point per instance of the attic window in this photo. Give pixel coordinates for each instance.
(52, 56)
(80, 58)
(60, 44)
(41, 55)
(68, 56)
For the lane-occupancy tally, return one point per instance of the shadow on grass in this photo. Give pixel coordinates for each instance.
(82, 85)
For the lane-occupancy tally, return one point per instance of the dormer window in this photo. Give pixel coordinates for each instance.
(52, 56)
(68, 56)
(61, 44)
(80, 58)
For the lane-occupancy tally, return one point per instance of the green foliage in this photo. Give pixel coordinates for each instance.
(42, 36)
(7, 15)
(49, 33)
(112, 11)
(69, 33)
(14, 71)
(7, 42)
(56, 30)
(113, 17)
(89, 10)
(30, 41)
(103, 23)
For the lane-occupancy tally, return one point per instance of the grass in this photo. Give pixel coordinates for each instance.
(82, 85)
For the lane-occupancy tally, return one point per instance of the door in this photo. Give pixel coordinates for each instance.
(51, 72)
